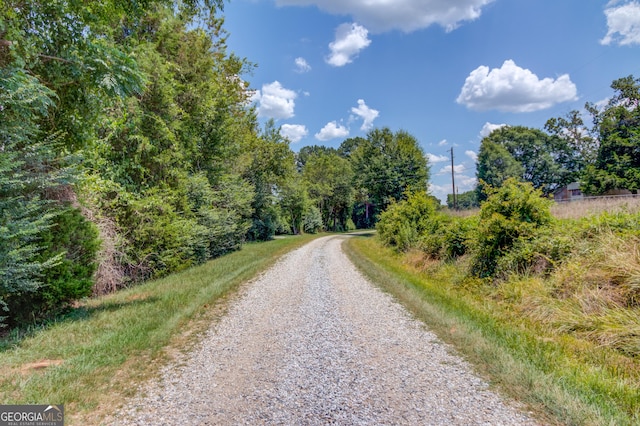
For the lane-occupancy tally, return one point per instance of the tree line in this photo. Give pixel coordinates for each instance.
(129, 150)
(602, 157)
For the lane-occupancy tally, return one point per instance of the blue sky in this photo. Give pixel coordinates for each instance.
(446, 71)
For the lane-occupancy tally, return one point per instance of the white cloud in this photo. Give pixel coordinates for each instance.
(433, 158)
(275, 101)
(367, 114)
(302, 66)
(488, 128)
(440, 191)
(457, 168)
(294, 132)
(467, 183)
(514, 89)
(332, 130)
(443, 142)
(623, 20)
(350, 40)
(404, 15)
(471, 154)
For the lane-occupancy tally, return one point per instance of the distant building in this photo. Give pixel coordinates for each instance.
(568, 192)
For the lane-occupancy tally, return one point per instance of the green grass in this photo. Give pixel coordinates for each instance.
(562, 379)
(106, 346)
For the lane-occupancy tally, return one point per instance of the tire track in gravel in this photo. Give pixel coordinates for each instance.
(312, 342)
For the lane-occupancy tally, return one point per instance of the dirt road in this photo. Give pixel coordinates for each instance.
(311, 342)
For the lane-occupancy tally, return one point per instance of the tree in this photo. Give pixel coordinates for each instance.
(583, 146)
(617, 165)
(495, 165)
(385, 166)
(547, 161)
(465, 201)
(294, 202)
(329, 180)
(271, 166)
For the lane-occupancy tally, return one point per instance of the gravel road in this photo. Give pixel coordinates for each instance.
(311, 342)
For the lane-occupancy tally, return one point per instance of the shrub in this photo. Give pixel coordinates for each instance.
(404, 222)
(514, 212)
(73, 240)
(539, 255)
(456, 239)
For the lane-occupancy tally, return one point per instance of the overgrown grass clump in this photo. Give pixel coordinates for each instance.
(559, 296)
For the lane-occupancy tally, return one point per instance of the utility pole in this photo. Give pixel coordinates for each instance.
(453, 183)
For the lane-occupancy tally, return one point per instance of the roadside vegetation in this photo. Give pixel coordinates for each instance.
(130, 150)
(96, 355)
(548, 308)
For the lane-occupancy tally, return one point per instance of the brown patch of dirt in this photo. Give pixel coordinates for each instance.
(40, 365)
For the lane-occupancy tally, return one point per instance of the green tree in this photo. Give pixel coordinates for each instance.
(583, 146)
(329, 180)
(270, 168)
(465, 201)
(294, 202)
(385, 166)
(617, 165)
(495, 165)
(547, 161)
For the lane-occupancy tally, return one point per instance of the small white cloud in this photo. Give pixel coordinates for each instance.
(350, 40)
(488, 128)
(275, 101)
(457, 168)
(471, 154)
(440, 191)
(514, 89)
(433, 158)
(443, 142)
(623, 23)
(367, 114)
(332, 130)
(294, 132)
(467, 183)
(404, 15)
(302, 66)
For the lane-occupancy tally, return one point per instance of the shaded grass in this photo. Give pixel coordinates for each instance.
(562, 379)
(106, 346)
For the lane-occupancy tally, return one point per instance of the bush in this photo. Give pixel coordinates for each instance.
(514, 212)
(73, 240)
(539, 255)
(405, 222)
(457, 235)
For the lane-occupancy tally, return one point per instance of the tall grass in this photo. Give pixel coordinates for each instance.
(99, 352)
(596, 205)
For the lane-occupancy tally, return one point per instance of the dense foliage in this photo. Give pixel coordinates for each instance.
(125, 126)
(129, 150)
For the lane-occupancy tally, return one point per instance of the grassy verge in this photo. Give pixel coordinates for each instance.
(561, 379)
(93, 358)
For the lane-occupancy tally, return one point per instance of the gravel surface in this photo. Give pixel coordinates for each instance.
(311, 342)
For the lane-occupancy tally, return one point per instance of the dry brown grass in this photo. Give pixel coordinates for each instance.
(595, 205)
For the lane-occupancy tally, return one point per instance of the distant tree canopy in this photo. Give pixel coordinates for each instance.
(530, 155)
(465, 201)
(385, 165)
(617, 127)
